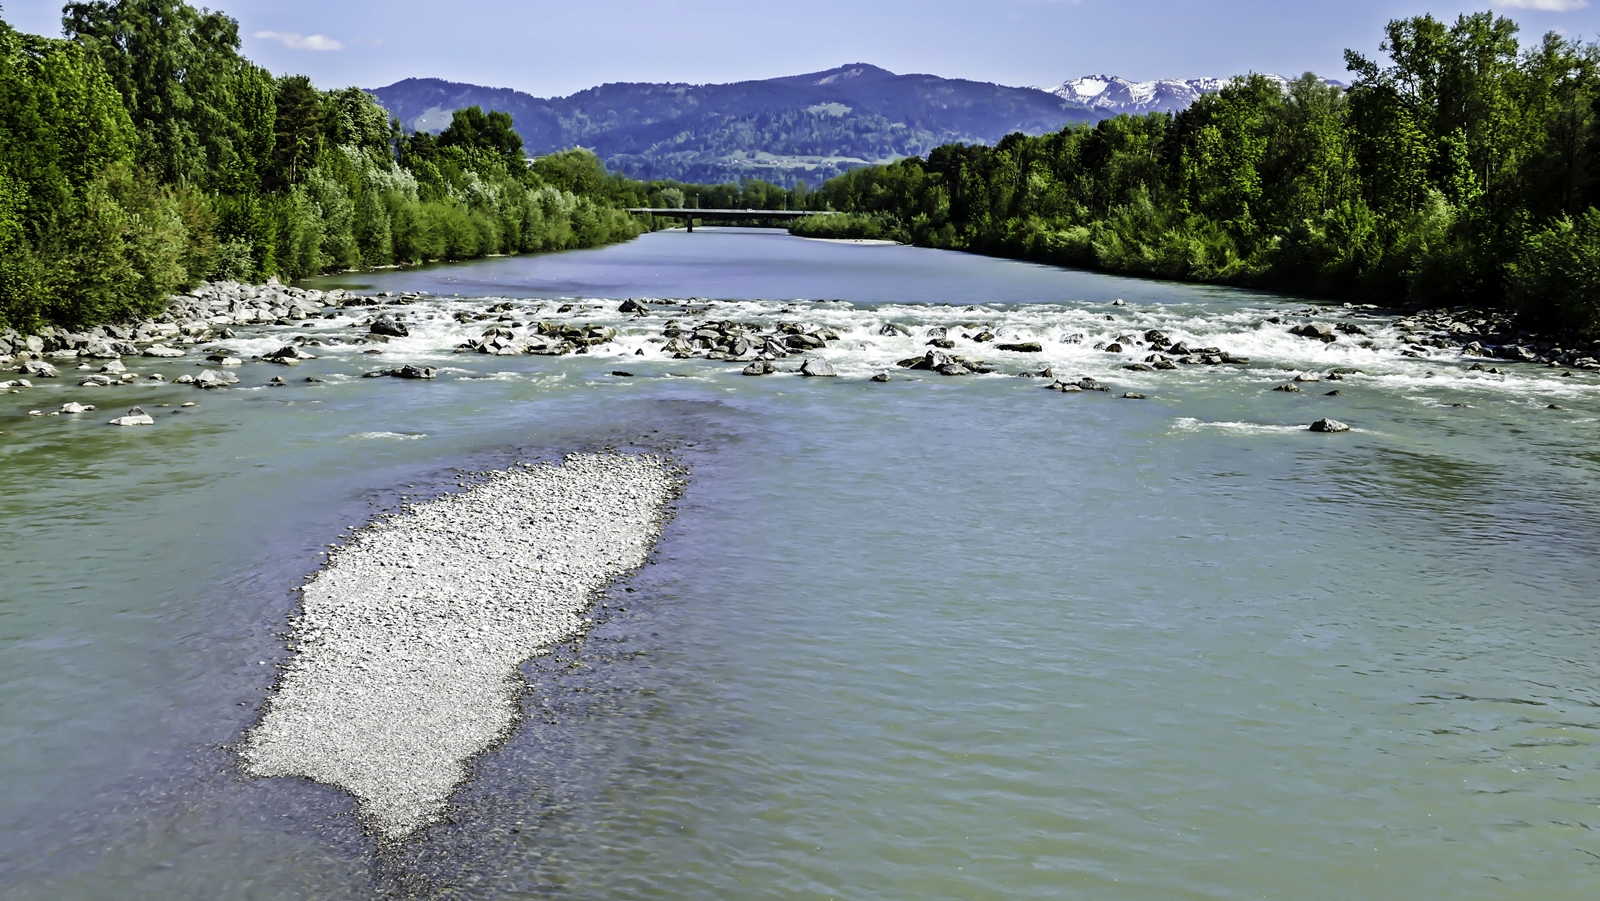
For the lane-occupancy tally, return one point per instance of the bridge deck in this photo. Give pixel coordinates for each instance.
(720, 215)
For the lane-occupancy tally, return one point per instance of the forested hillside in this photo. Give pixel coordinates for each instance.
(1462, 169)
(784, 130)
(141, 154)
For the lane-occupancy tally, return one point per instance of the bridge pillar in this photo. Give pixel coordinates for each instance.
(690, 221)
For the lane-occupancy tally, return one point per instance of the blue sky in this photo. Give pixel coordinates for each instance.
(551, 48)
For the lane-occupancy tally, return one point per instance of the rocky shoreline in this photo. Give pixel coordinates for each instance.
(405, 655)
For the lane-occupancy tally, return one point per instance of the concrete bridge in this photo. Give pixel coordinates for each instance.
(688, 216)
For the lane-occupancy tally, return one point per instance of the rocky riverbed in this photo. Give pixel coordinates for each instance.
(404, 659)
(209, 337)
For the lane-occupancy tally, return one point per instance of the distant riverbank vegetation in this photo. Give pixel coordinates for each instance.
(142, 154)
(1463, 169)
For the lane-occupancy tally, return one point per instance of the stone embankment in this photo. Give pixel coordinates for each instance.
(405, 655)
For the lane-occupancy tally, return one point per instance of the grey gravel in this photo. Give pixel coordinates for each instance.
(406, 652)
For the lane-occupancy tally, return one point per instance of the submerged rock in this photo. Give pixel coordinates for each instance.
(880, 377)
(1024, 347)
(414, 372)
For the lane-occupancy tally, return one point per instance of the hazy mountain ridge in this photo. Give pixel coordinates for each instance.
(811, 126)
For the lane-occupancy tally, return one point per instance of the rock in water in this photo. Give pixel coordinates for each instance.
(414, 372)
(39, 369)
(389, 326)
(215, 378)
(161, 350)
(407, 649)
(135, 416)
(632, 306)
(76, 408)
(881, 377)
(817, 367)
(1024, 347)
(288, 354)
(1329, 425)
(759, 367)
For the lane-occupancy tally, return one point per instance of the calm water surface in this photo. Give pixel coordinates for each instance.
(940, 638)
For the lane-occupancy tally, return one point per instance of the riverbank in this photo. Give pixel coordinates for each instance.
(405, 655)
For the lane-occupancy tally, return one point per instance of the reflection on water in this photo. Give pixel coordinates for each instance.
(944, 638)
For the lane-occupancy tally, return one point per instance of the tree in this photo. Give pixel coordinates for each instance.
(472, 129)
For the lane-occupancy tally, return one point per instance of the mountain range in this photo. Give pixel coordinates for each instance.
(783, 130)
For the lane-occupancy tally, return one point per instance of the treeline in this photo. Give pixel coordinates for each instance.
(142, 154)
(1463, 169)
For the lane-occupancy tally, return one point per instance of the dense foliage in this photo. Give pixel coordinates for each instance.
(1465, 170)
(142, 154)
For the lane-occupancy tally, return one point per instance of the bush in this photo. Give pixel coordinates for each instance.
(861, 226)
(1555, 282)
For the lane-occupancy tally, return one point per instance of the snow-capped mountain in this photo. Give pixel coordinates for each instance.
(1119, 95)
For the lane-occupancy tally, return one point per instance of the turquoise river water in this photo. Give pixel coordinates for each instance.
(941, 638)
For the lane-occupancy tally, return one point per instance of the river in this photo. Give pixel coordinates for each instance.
(956, 638)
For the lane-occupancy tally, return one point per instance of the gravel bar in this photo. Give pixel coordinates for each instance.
(405, 662)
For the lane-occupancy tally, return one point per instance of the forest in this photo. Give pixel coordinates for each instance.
(1460, 168)
(141, 154)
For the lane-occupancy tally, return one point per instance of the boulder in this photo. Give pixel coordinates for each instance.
(942, 343)
(759, 367)
(215, 378)
(1309, 377)
(135, 416)
(1319, 331)
(1329, 425)
(288, 355)
(891, 329)
(880, 377)
(817, 367)
(114, 366)
(414, 372)
(622, 373)
(97, 381)
(161, 350)
(1291, 389)
(76, 408)
(1131, 395)
(40, 369)
(953, 369)
(389, 326)
(632, 306)
(1113, 348)
(1022, 347)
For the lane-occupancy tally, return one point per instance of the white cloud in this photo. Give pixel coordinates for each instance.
(1555, 6)
(295, 41)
